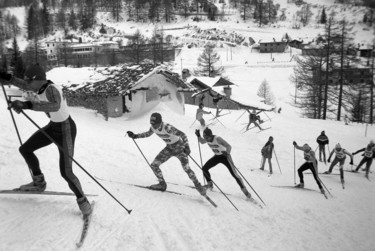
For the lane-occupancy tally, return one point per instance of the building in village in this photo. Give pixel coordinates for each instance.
(267, 46)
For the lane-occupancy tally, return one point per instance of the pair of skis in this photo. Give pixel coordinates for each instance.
(305, 189)
(86, 218)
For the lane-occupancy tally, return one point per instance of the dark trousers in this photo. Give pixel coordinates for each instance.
(308, 166)
(322, 151)
(64, 134)
(368, 162)
(226, 161)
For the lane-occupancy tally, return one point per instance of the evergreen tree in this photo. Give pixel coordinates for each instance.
(207, 63)
(72, 23)
(45, 18)
(323, 17)
(265, 92)
(16, 62)
(31, 23)
(136, 43)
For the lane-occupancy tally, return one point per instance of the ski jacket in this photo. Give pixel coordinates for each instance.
(369, 152)
(216, 147)
(341, 154)
(267, 150)
(322, 139)
(166, 132)
(49, 99)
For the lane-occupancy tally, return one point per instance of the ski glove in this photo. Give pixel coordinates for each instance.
(187, 150)
(351, 162)
(197, 132)
(225, 153)
(18, 105)
(329, 160)
(131, 135)
(294, 143)
(6, 76)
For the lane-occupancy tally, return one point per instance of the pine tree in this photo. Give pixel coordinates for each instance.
(45, 19)
(265, 92)
(207, 61)
(16, 62)
(323, 17)
(72, 20)
(30, 23)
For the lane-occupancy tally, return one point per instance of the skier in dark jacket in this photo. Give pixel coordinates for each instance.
(368, 155)
(47, 97)
(222, 155)
(253, 118)
(177, 146)
(310, 164)
(267, 153)
(322, 141)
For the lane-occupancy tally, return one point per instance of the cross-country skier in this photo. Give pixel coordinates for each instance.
(310, 164)
(199, 115)
(222, 151)
(177, 146)
(368, 155)
(266, 151)
(61, 128)
(339, 158)
(322, 141)
(253, 118)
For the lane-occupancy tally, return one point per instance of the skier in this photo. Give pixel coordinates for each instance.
(267, 153)
(346, 120)
(199, 115)
(177, 146)
(253, 118)
(322, 140)
(222, 155)
(61, 128)
(310, 164)
(339, 158)
(369, 154)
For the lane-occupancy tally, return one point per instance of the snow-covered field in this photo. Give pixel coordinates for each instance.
(291, 220)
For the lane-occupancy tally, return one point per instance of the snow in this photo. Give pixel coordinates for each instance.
(291, 219)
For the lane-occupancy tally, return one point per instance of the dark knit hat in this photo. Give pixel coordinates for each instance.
(155, 118)
(207, 132)
(35, 72)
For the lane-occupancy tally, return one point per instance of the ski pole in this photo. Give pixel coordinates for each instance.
(70, 157)
(14, 121)
(142, 153)
(218, 120)
(231, 162)
(277, 160)
(294, 165)
(325, 186)
(193, 123)
(240, 116)
(200, 155)
(215, 184)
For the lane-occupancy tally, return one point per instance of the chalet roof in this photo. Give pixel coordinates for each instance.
(122, 79)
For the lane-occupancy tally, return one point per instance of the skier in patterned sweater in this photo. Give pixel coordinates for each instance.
(177, 146)
(222, 155)
(310, 164)
(368, 155)
(339, 158)
(322, 141)
(48, 97)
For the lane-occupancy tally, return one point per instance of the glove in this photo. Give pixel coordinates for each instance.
(198, 133)
(329, 160)
(351, 162)
(187, 150)
(18, 105)
(6, 76)
(225, 153)
(294, 143)
(131, 135)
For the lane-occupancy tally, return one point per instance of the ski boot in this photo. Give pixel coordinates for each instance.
(201, 189)
(38, 184)
(84, 206)
(300, 185)
(247, 194)
(322, 190)
(209, 185)
(327, 172)
(161, 186)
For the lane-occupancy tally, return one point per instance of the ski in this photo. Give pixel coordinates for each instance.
(210, 200)
(86, 225)
(192, 187)
(149, 188)
(17, 191)
(306, 189)
(264, 129)
(252, 200)
(325, 173)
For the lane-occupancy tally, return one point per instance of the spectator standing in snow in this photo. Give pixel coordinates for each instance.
(177, 146)
(61, 128)
(199, 115)
(346, 120)
(253, 118)
(339, 158)
(310, 164)
(368, 155)
(322, 141)
(222, 155)
(266, 151)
